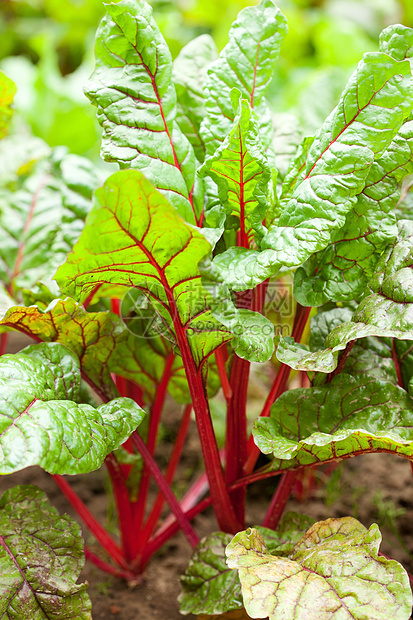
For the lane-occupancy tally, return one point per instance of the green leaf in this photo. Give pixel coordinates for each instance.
(40, 424)
(309, 585)
(103, 344)
(397, 41)
(144, 243)
(188, 74)
(344, 268)
(40, 222)
(247, 62)
(7, 92)
(348, 416)
(286, 141)
(136, 100)
(240, 169)
(41, 556)
(374, 105)
(210, 587)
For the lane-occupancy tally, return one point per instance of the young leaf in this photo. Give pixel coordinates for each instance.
(374, 105)
(240, 169)
(41, 221)
(188, 73)
(344, 268)
(247, 62)
(334, 571)
(348, 416)
(41, 556)
(208, 585)
(40, 422)
(132, 89)
(7, 91)
(397, 41)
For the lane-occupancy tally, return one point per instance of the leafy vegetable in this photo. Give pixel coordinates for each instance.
(41, 422)
(310, 583)
(41, 557)
(7, 92)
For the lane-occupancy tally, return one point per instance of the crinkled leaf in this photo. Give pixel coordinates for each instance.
(19, 153)
(136, 100)
(143, 242)
(247, 62)
(240, 169)
(397, 41)
(40, 422)
(40, 222)
(41, 556)
(344, 268)
(188, 73)
(335, 571)
(286, 140)
(7, 91)
(348, 416)
(210, 587)
(374, 105)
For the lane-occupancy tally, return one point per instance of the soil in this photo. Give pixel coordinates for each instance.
(373, 488)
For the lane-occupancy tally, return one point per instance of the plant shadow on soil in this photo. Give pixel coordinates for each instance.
(375, 488)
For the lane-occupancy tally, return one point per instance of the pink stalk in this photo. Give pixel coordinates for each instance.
(397, 364)
(93, 525)
(183, 521)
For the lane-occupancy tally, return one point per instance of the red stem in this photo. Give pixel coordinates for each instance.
(223, 508)
(128, 532)
(187, 528)
(236, 432)
(94, 526)
(226, 388)
(107, 568)
(342, 360)
(151, 442)
(279, 500)
(279, 386)
(91, 296)
(170, 473)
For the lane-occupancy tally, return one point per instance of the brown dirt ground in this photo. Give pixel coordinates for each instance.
(362, 487)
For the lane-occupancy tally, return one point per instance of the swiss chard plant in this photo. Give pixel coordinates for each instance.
(184, 244)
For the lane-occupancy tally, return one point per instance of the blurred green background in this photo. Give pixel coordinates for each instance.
(46, 47)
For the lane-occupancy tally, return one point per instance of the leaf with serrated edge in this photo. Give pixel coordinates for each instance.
(349, 416)
(240, 169)
(374, 105)
(41, 425)
(188, 73)
(7, 91)
(136, 101)
(335, 571)
(41, 556)
(247, 62)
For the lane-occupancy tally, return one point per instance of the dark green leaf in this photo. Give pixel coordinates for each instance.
(41, 556)
(349, 416)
